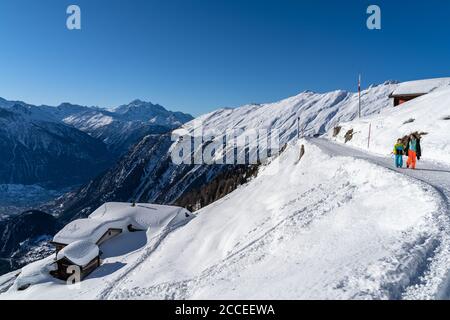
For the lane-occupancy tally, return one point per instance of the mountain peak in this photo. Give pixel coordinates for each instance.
(139, 101)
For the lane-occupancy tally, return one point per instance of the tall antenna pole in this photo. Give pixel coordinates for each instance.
(359, 96)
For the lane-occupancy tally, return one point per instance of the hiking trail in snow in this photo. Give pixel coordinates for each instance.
(433, 281)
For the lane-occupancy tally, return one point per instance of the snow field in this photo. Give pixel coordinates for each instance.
(326, 228)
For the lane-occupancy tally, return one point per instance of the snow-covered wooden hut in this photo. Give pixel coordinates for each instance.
(78, 242)
(407, 91)
(83, 254)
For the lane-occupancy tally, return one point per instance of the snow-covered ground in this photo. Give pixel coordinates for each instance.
(324, 227)
(429, 113)
(434, 279)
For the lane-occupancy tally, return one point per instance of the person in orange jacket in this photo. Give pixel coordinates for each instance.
(413, 150)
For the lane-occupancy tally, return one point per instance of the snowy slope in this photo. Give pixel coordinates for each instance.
(429, 113)
(321, 228)
(317, 112)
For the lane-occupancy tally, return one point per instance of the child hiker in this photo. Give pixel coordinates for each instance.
(399, 148)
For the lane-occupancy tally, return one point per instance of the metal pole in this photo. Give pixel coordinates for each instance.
(359, 96)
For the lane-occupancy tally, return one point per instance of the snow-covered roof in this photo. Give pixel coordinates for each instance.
(79, 252)
(119, 215)
(420, 87)
(87, 229)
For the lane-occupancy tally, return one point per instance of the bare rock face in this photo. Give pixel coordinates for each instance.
(302, 152)
(348, 135)
(336, 131)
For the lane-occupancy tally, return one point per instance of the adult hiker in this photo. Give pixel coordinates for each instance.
(413, 150)
(399, 149)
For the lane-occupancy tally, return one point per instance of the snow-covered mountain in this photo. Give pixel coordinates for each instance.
(38, 150)
(66, 145)
(324, 226)
(121, 127)
(118, 127)
(317, 112)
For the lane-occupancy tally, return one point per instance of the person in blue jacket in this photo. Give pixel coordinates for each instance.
(399, 150)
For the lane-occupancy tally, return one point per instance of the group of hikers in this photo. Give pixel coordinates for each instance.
(410, 147)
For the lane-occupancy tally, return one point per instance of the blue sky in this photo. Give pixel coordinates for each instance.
(198, 55)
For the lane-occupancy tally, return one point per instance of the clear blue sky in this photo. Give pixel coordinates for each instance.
(198, 55)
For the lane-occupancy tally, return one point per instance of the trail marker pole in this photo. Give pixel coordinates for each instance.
(359, 96)
(298, 127)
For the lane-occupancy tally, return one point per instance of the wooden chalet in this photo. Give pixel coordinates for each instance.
(63, 271)
(404, 97)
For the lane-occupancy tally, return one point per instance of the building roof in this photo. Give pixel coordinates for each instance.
(420, 87)
(79, 252)
(118, 215)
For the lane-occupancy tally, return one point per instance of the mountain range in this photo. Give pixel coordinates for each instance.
(63, 146)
